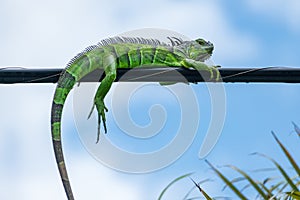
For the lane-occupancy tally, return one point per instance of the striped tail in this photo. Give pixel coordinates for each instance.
(65, 85)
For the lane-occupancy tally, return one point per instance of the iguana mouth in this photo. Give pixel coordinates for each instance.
(208, 47)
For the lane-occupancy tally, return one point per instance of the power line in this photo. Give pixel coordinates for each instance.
(12, 75)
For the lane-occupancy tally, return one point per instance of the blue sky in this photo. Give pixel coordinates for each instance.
(47, 34)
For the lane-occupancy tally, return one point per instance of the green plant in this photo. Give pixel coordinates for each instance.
(286, 187)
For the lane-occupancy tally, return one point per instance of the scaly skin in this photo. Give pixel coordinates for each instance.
(116, 53)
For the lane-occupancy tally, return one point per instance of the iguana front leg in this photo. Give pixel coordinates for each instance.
(110, 76)
(198, 65)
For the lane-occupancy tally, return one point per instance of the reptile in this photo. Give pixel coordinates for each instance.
(109, 55)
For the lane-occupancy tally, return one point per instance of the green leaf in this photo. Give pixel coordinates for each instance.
(282, 171)
(170, 184)
(269, 191)
(296, 128)
(295, 195)
(290, 158)
(277, 187)
(251, 181)
(207, 197)
(227, 182)
(235, 180)
(191, 190)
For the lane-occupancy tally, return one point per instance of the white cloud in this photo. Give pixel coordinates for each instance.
(27, 165)
(283, 11)
(193, 19)
(53, 32)
(102, 182)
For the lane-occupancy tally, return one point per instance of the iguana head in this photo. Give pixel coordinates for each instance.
(199, 49)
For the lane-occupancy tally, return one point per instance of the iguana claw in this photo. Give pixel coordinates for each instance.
(101, 109)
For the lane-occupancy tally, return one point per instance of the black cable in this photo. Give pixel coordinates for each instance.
(10, 75)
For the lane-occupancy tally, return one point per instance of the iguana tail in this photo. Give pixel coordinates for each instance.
(65, 84)
(73, 73)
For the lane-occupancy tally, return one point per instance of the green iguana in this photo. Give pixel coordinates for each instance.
(120, 52)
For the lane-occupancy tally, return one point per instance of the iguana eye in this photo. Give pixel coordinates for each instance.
(201, 42)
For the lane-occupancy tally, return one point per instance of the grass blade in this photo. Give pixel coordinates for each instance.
(170, 184)
(290, 158)
(235, 180)
(296, 128)
(202, 191)
(284, 174)
(227, 182)
(295, 195)
(269, 191)
(251, 181)
(191, 190)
